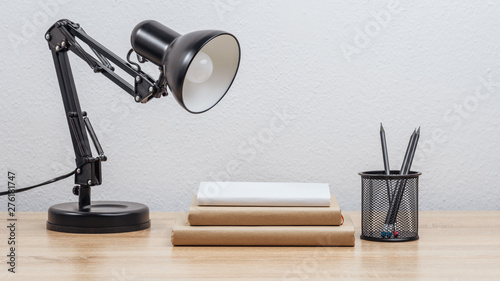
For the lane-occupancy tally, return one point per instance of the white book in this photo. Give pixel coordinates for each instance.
(263, 194)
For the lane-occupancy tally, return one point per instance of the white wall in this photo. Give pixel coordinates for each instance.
(331, 68)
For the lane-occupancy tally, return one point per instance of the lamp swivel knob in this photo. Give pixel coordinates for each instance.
(76, 190)
(89, 182)
(47, 36)
(78, 170)
(137, 98)
(138, 79)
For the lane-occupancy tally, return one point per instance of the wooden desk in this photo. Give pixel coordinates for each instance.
(452, 246)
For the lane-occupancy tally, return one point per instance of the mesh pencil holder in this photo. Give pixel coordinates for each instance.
(389, 206)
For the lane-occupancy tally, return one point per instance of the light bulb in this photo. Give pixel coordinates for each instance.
(200, 68)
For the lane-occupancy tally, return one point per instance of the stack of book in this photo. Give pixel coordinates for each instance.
(263, 214)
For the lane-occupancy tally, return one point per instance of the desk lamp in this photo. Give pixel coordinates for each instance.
(198, 68)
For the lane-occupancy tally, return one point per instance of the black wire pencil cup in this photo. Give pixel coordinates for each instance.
(389, 199)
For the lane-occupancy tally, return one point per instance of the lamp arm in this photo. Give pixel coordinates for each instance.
(61, 38)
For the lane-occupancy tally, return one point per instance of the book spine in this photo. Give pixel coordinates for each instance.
(265, 202)
(266, 236)
(293, 217)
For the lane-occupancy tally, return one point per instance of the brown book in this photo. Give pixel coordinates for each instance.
(251, 215)
(185, 234)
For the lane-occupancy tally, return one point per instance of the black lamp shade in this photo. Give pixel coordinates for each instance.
(175, 54)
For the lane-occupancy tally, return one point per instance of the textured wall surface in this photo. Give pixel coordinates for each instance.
(315, 80)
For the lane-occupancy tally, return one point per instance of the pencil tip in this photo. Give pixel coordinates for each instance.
(418, 131)
(381, 127)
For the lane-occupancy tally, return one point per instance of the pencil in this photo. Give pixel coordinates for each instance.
(397, 200)
(388, 225)
(386, 160)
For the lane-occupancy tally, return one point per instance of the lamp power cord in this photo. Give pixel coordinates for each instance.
(18, 190)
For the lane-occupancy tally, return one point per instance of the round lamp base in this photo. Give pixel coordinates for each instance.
(99, 217)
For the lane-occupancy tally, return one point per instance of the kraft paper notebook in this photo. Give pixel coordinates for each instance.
(240, 215)
(184, 234)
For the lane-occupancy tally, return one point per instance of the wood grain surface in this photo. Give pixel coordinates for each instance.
(452, 246)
